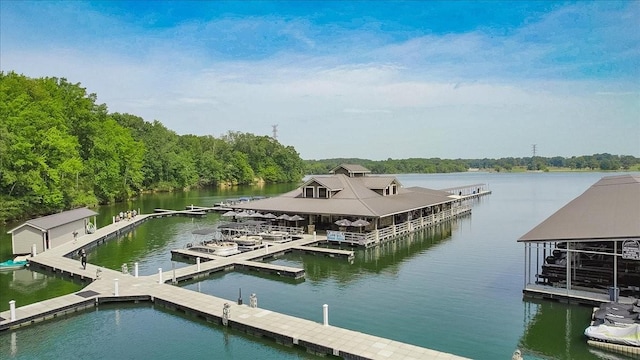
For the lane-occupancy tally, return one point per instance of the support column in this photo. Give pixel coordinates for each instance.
(568, 267)
(615, 271)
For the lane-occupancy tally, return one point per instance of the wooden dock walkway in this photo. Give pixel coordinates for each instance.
(106, 285)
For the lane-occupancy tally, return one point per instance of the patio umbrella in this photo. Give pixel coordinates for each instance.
(243, 214)
(296, 218)
(360, 223)
(283, 217)
(343, 222)
(269, 216)
(257, 215)
(230, 213)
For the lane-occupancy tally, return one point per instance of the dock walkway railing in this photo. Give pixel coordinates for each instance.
(387, 233)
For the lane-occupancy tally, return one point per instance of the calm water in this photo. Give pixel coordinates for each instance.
(455, 288)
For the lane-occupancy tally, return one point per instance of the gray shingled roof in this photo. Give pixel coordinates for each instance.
(609, 209)
(354, 199)
(352, 168)
(52, 221)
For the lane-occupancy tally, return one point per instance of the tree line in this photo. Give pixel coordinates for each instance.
(60, 149)
(603, 162)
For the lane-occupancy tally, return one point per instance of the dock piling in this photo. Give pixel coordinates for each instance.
(116, 291)
(33, 250)
(160, 276)
(173, 267)
(12, 309)
(135, 269)
(325, 314)
(198, 263)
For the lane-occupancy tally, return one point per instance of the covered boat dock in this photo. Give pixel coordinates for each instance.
(588, 251)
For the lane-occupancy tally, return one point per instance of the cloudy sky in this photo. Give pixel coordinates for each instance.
(375, 80)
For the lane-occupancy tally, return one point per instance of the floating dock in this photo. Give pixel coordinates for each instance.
(106, 286)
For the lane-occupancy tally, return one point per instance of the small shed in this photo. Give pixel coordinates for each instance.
(50, 231)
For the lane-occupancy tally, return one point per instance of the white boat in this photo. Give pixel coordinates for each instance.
(616, 327)
(219, 248)
(276, 236)
(247, 240)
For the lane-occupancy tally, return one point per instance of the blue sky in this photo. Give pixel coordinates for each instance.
(368, 79)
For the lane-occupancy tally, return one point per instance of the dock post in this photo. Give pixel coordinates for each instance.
(135, 269)
(266, 248)
(33, 250)
(314, 236)
(12, 310)
(160, 276)
(173, 266)
(116, 291)
(198, 262)
(325, 314)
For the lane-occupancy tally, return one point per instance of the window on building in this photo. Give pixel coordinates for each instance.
(308, 191)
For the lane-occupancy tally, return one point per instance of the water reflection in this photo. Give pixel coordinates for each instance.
(555, 330)
(14, 344)
(387, 257)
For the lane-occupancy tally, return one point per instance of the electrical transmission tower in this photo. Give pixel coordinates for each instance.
(275, 131)
(533, 149)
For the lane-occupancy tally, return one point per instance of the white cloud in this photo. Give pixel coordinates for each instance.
(457, 95)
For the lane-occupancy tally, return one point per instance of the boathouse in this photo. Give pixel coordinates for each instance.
(353, 206)
(50, 231)
(589, 250)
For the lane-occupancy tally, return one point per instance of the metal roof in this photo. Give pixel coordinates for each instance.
(354, 199)
(52, 221)
(609, 209)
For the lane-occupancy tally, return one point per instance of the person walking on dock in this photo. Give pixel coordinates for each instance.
(83, 258)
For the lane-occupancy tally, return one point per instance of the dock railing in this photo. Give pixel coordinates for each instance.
(370, 238)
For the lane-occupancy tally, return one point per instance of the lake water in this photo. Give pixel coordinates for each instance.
(455, 288)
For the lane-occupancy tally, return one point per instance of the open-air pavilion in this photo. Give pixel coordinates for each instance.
(380, 206)
(589, 250)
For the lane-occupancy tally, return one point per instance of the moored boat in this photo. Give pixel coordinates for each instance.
(220, 248)
(276, 236)
(13, 264)
(247, 240)
(616, 327)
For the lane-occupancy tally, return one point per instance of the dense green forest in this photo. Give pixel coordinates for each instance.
(594, 162)
(60, 149)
